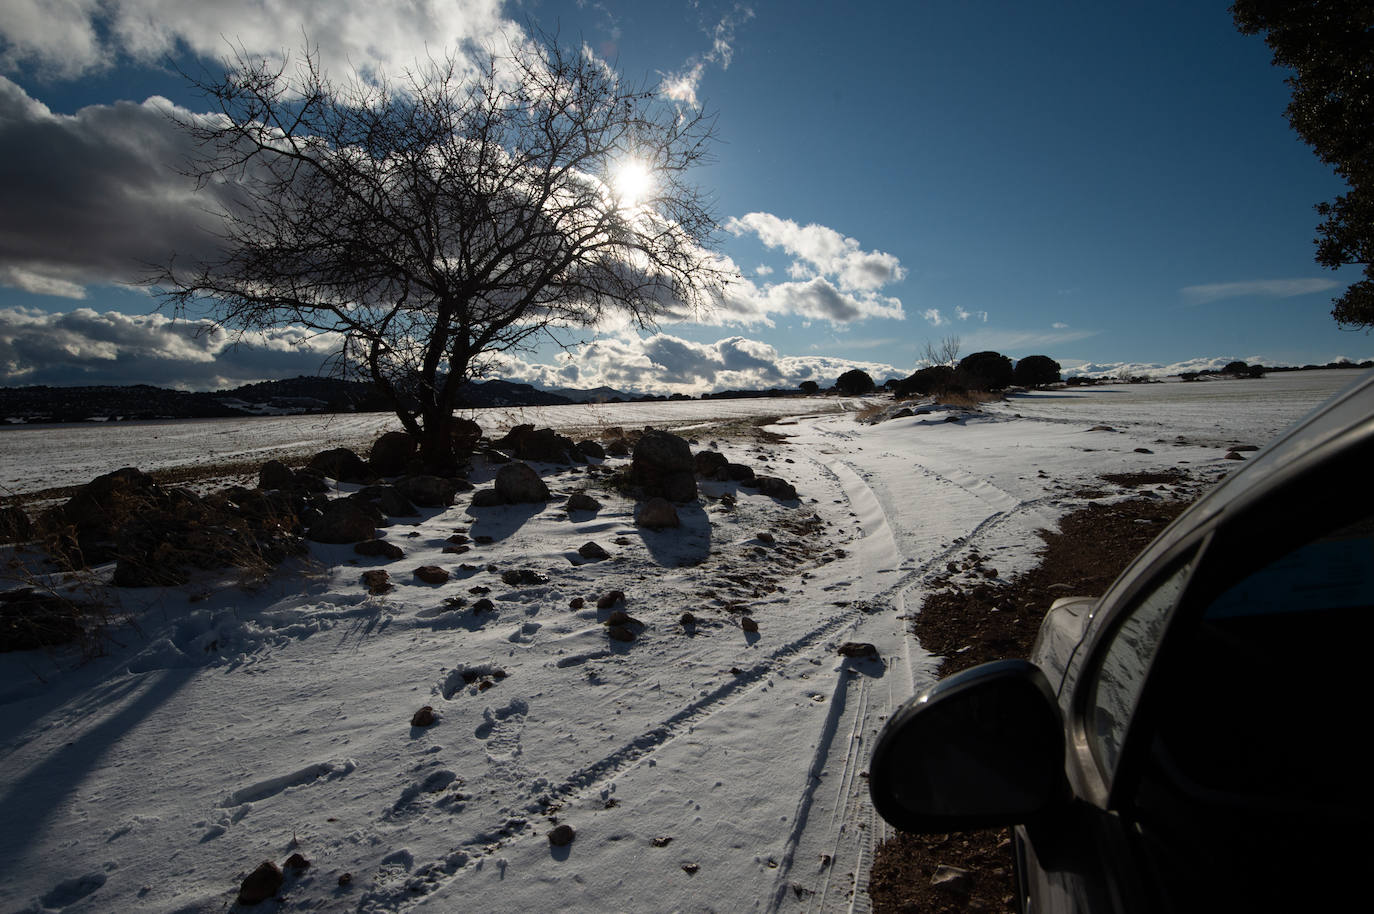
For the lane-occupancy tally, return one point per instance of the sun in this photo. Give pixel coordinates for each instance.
(632, 181)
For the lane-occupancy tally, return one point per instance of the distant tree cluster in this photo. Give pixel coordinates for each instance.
(982, 371)
(854, 383)
(1329, 46)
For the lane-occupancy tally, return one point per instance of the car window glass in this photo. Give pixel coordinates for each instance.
(1335, 572)
(1123, 664)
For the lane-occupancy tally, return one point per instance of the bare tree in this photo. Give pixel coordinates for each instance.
(434, 223)
(947, 353)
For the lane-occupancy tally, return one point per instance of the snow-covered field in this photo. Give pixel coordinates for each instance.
(703, 767)
(34, 457)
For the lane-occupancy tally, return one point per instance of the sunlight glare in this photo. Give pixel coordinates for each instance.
(632, 180)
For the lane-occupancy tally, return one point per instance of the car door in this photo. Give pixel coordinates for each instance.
(1209, 716)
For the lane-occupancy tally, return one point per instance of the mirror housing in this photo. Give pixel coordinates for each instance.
(979, 749)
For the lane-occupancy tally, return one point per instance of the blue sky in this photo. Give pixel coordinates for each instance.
(1100, 183)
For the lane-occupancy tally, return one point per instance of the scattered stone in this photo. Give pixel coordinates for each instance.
(859, 649)
(766, 538)
(261, 884)
(661, 841)
(576, 603)
(748, 624)
(686, 619)
(620, 633)
(739, 472)
(952, 879)
(621, 617)
(691, 869)
(581, 501)
(1101, 428)
(562, 836)
(388, 499)
(391, 452)
(432, 574)
(657, 514)
(379, 548)
(777, 488)
(296, 861)
(609, 599)
(344, 521)
(905, 412)
(593, 551)
(518, 483)
(593, 449)
(425, 717)
(377, 582)
(455, 550)
(1143, 450)
(1232, 455)
(483, 605)
(345, 878)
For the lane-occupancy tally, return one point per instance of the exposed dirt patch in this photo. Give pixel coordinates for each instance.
(968, 625)
(1131, 480)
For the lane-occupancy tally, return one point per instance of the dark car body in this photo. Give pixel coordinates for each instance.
(1194, 738)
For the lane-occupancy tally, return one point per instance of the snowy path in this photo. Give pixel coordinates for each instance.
(704, 768)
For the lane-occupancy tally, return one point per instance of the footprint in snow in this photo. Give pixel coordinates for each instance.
(501, 729)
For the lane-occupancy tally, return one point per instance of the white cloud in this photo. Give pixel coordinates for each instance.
(1060, 325)
(763, 270)
(88, 347)
(681, 85)
(1260, 288)
(934, 316)
(823, 251)
(964, 314)
(665, 364)
(70, 38)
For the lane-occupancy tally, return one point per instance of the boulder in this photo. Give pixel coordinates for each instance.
(738, 472)
(609, 599)
(662, 466)
(276, 475)
(15, 526)
(388, 499)
(710, 463)
(379, 548)
(344, 521)
(341, 464)
(428, 491)
(261, 884)
(581, 501)
(432, 574)
(391, 452)
(593, 551)
(544, 444)
(657, 514)
(593, 449)
(486, 498)
(777, 488)
(618, 447)
(518, 483)
(562, 836)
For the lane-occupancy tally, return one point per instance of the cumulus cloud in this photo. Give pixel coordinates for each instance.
(964, 314)
(87, 347)
(93, 197)
(666, 364)
(74, 37)
(682, 84)
(934, 316)
(1259, 288)
(822, 251)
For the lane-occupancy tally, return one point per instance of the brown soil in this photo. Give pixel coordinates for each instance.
(969, 624)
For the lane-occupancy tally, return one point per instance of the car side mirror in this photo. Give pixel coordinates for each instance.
(979, 749)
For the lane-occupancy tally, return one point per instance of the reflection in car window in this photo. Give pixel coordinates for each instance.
(1122, 667)
(1336, 572)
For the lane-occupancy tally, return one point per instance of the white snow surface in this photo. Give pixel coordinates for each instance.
(703, 768)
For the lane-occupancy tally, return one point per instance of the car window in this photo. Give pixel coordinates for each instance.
(1123, 665)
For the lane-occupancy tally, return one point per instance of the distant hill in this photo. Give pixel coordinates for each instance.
(290, 396)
